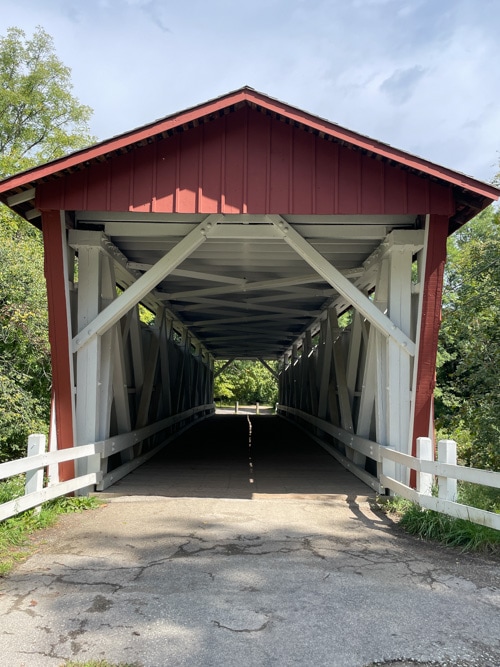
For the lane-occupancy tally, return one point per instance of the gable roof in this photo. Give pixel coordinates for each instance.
(470, 195)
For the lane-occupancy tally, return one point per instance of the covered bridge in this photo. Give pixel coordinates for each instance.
(248, 228)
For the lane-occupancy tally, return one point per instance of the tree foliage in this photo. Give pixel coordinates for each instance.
(39, 120)
(246, 382)
(468, 397)
(24, 348)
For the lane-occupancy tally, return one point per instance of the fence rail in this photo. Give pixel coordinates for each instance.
(38, 460)
(444, 472)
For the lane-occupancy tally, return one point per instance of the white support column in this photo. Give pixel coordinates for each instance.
(379, 360)
(294, 376)
(353, 356)
(108, 294)
(344, 402)
(340, 375)
(373, 382)
(182, 373)
(147, 387)
(398, 363)
(325, 368)
(311, 375)
(137, 353)
(88, 364)
(165, 368)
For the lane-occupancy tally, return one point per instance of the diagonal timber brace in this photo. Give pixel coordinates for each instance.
(121, 305)
(266, 366)
(342, 284)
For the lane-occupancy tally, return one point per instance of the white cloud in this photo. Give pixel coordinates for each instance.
(418, 74)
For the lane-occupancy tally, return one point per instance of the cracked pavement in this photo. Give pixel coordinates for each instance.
(320, 579)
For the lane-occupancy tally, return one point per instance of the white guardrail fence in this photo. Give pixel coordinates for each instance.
(443, 473)
(40, 488)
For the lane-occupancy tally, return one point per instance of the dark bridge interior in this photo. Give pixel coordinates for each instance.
(241, 456)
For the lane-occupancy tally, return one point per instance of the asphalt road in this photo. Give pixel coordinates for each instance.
(248, 554)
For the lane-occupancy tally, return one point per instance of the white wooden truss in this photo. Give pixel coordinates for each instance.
(333, 298)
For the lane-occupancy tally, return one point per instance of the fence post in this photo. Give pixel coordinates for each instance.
(236, 406)
(34, 478)
(424, 453)
(257, 408)
(447, 453)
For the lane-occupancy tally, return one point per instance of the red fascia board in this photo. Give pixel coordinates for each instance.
(274, 106)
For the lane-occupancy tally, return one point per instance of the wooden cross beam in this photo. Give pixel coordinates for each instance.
(131, 296)
(343, 286)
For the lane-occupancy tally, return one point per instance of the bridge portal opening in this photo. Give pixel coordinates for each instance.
(250, 230)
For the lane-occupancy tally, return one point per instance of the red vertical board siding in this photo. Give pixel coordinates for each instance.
(166, 170)
(429, 327)
(246, 161)
(395, 190)
(279, 176)
(302, 172)
(97, 187)
(187, 193)
(119, 195)
(257, 161)
(75, 195)
(441, 199)
(325, 168)
(211, 169)
(372, 186)
(144, 172)
(418, 194)
(50, 193)
(349, 181)
(233, 164)
(62, 391)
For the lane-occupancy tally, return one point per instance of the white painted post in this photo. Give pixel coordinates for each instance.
(424, 453)
(447, 453)
(257, 408)
(53, 468)
(236, 406)
(34, 478)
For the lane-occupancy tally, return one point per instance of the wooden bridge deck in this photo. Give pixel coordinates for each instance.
(223, 457)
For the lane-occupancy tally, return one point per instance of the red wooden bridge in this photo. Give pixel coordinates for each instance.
(248, 228)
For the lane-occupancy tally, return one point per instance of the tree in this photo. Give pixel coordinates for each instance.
(468, 397)
(247, 382)
(24, 347)
(39, 120)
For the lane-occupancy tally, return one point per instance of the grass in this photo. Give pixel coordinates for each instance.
(431, 525)
(15, 532)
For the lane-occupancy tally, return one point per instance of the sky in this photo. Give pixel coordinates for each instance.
(421, 75)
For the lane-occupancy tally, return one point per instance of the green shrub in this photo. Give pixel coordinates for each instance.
(431, 525)
(482, 497)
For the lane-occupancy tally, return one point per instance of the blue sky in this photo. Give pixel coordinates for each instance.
(422, 75)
